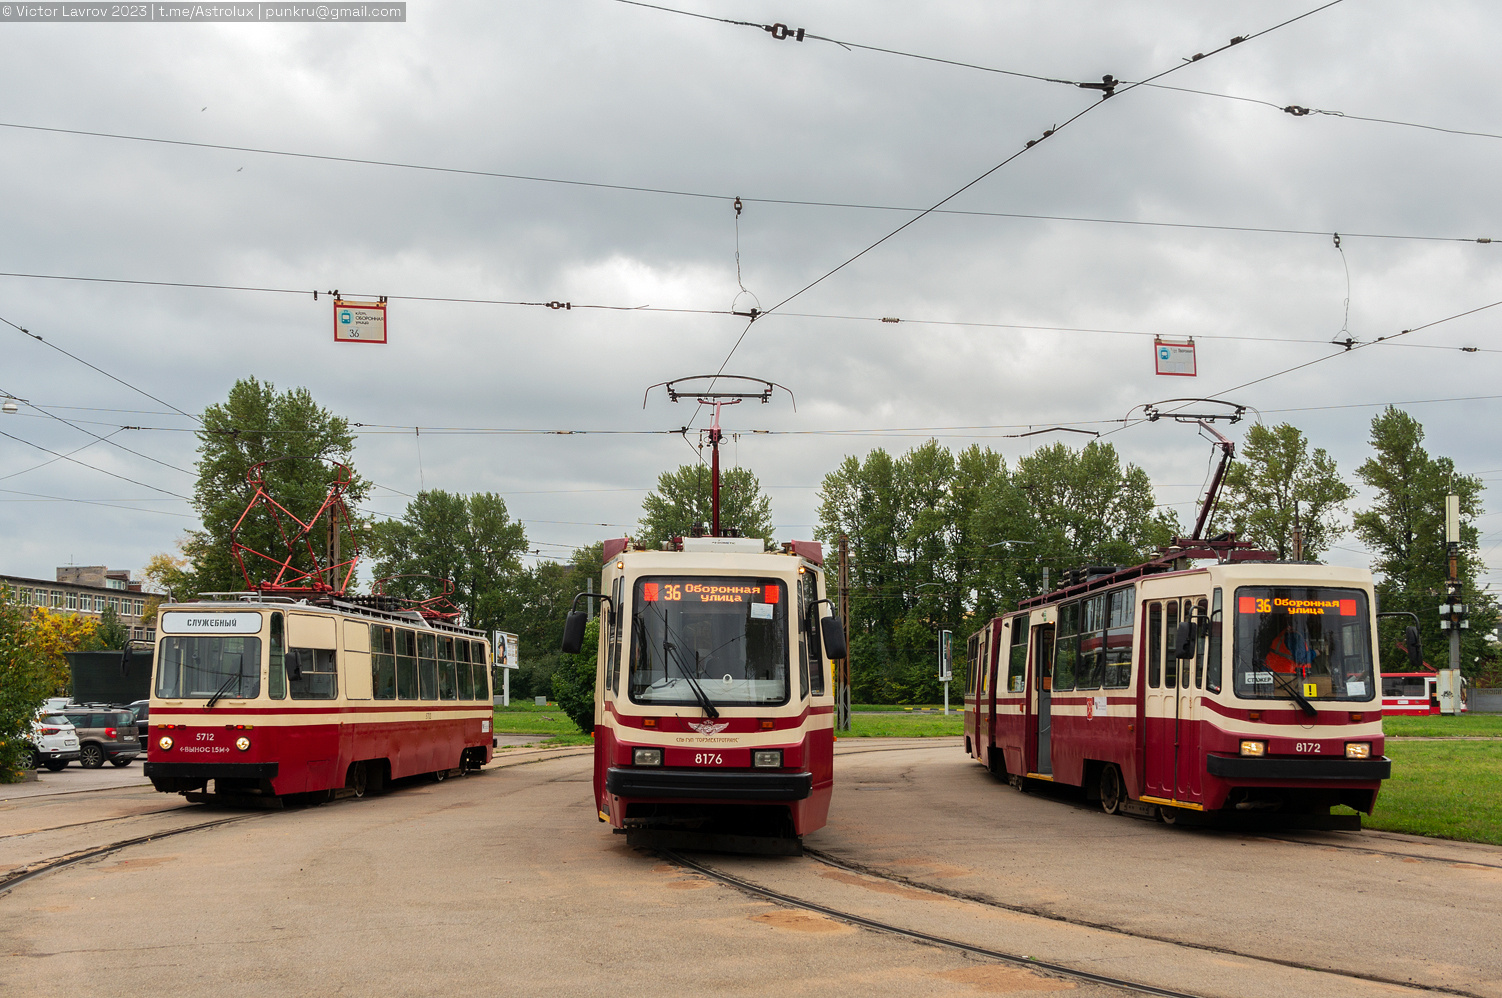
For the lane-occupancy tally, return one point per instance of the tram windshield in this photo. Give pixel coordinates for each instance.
(728, 636)
(202, 667)
(1302, 641)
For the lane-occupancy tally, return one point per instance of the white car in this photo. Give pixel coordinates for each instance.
(54, 741)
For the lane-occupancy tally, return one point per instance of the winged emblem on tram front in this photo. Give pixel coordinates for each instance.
(709, 727)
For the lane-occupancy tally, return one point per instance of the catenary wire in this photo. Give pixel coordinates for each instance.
(38, 496)
(91, 467)
(1029, 145)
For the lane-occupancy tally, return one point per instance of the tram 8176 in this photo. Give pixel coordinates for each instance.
(266, 697)
(714, 698)
(1241, 685)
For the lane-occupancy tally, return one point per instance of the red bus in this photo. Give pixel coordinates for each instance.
(1182, 688)
(269, 698)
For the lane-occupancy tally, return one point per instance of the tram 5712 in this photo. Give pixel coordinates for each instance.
(714, 694)
(1239, 685)
(268, 698)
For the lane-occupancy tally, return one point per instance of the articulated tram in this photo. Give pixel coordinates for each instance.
(714, 693)
(1239, 685)
(267, 697)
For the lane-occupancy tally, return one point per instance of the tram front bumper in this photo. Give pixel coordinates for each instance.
(708, 784)
(212, 770)
(1275, 768)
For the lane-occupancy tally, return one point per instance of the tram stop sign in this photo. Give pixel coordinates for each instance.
(359, 321)
(1174, 357)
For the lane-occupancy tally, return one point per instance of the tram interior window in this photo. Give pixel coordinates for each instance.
(1212, 663)
(481, 673)
(461, 666)
(278, 681)
(312, 674)
(1117, 674)
(205, 666)
(406, 665)
(1017, 657)
(382, 662)
(1155, 645)
(1170, 632)
(813, 644)
(427, 667)
(971, 652)
(1066, 646)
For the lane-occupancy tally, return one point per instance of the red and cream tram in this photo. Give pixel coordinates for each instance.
(269, 697)
(714, 694)
(1210, 680)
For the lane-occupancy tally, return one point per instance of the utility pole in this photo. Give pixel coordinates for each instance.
(842, 684)
(1452, 615)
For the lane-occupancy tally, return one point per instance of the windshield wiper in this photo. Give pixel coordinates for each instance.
(1293, 690)
(215, 698)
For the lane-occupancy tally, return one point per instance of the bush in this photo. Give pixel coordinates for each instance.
(574, 680)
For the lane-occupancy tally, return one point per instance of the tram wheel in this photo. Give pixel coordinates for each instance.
(1110, 789)
(440, 776)
(1016, 782)
(359, 780)
(1170, 815)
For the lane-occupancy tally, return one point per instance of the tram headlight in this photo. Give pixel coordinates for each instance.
(767, 758)
(1358, 750)
(242, 743)
(164, 743)
(646, 757)
(1253, 748)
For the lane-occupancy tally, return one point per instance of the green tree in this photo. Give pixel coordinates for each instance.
(533, 608)
(299, 437)
(1280, 485)
(24, 685)
(1405, 528)
(683, 499)
(470, 540)
(574, 680)
(110, 634)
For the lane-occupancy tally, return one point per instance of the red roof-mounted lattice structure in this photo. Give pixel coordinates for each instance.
(329, 575)
(439, 607)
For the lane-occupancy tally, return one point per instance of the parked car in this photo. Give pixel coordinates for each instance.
(104, 732)
(54, 741)
(142, 710)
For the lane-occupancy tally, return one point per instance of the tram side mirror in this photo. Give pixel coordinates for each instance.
(573, 632)
(834, 637)
(1183, 640)
(1415, 650)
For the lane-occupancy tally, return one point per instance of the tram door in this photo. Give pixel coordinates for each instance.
(1160, 730)
(1043, 680)
(985, 725)
(1189, 782)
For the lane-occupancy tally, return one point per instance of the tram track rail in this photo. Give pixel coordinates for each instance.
(1000, 956)
(15, 878)
(912, 884)
(93, 821)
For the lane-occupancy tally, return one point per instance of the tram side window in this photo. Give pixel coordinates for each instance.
(1202, 636)
(808, 655)
(480, 668)
(1119, 618)
(971, 652)
(278, 681)
(808, 599)
(447, 685)
(613, 649)
(382, 662)
(1091, 662)
(1212, 667)
(1066, 647)
(461, 666)
(406, 665)
(1017, 656)
(312, 673)
(1155, 645)
(427, 667)
(1170, 632)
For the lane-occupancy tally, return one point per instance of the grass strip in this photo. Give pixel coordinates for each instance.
(1447, 790)
(1441, 726)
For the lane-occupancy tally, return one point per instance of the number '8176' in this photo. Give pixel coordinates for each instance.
(708, 759)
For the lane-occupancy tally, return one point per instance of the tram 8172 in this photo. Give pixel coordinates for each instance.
(714, 698)
(1242, 685)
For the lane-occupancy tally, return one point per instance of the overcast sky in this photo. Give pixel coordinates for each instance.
(608, 93)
